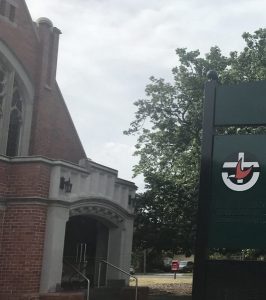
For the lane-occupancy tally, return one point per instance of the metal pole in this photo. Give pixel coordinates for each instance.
(99, 273)
(77, 253)
(80, 255)
(122, 271)
(85, 252)
(88, 290)
(136, 294)
(144, 261)
(88, 280)
(200, 266)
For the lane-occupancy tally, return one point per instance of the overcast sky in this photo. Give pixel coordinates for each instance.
(110, 48)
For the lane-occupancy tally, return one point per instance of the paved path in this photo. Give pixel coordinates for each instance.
(165, 275)
(167, 297)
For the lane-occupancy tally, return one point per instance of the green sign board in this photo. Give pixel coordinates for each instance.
(239, 104)
(232, 196)
(238, 199)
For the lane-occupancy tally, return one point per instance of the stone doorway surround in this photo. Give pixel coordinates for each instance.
(97, 193)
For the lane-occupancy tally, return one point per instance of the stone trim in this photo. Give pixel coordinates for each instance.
(23, 200)
(126, 182)
(98, 211)
(90, 201)
(42, 159)
(101, 202)
(102, 167)
(33, 200)
(97, 166)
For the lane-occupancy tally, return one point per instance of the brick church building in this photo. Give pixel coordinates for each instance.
(56, 205)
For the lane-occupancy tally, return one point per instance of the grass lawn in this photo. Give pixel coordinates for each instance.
(166, 286)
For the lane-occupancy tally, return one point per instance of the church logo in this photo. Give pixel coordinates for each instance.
(240, 175)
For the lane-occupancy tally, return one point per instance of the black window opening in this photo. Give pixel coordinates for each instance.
(2, 76)
(12, 13)
(13, 134)
(14, 125)
(2, 7)
(2, 91)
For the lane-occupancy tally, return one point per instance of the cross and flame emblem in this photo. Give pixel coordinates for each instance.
(240, 175)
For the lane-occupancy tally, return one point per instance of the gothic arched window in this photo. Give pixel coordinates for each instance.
(16, 105)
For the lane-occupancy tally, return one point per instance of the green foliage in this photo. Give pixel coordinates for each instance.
(168, 124)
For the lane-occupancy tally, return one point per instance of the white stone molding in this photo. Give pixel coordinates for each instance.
(101, 183)
(52, 265)
(99, 211)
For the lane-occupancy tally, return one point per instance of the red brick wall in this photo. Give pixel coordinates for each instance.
(55, 135)
(29, 180)
(33, 296)
(2, 216)
(24, 180)
(22, 228)
(22, 248)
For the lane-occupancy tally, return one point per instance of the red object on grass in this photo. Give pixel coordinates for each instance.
(175, 265)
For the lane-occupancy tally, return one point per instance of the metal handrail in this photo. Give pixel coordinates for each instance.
(82, 275)
(122, 271)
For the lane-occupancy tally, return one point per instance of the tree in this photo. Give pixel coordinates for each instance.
(168, 124)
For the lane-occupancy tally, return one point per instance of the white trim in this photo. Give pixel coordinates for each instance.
(40, 159)
(92, 164)
(102, 167)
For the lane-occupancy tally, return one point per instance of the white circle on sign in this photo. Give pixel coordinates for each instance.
(243, 170)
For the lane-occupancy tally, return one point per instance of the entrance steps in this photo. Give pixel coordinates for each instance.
(110, 293)
(169, 297)
(102, 293)
(116, 293)
(63, 296)
(116, 289)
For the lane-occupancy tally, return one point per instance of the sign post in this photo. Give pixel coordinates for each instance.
(175, 267)
(232, 204)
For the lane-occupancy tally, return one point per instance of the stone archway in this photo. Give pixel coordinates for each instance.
(90, 237)
(113, 245)
(109, 232)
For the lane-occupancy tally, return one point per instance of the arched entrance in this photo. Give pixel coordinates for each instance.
(81, 235)
(86, 244)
